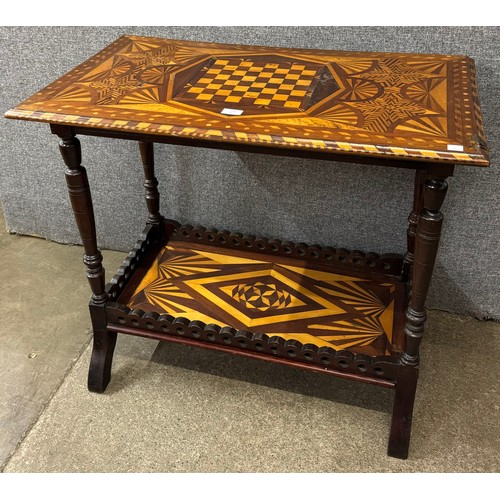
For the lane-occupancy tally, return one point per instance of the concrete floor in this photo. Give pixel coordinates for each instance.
(37, 349)
(176, 408)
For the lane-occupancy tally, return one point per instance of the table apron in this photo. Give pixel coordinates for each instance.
(274, 150)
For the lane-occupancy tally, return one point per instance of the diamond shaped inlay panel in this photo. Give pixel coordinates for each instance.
(271, 297)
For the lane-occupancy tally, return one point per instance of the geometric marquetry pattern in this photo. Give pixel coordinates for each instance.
(261, 296)
(311, 306)
(282, 85)
(409, 105)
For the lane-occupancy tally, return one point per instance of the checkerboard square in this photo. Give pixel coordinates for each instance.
(272, 85)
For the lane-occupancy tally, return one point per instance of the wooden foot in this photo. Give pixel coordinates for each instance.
(102, 358)
(406, 386)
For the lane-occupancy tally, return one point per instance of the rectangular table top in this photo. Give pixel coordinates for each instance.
(384, 105)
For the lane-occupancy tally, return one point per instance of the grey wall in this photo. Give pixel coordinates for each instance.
(317, 202)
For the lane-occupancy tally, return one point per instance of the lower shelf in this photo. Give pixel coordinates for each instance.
(324, 313)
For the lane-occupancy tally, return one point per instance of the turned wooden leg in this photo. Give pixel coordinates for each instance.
(426, 247)
(412, 222)
(81, 202)
(150, 182)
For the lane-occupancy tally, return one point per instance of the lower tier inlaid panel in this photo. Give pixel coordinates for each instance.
(275, 296)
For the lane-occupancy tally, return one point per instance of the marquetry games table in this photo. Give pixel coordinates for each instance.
(350, 314)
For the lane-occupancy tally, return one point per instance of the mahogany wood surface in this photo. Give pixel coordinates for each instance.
(426, 247)
(339, 372)
(253, 296)
(396, 105)
(150, 182)
(81, 202)
(413, 219)
(325, 314)
(402, 414)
